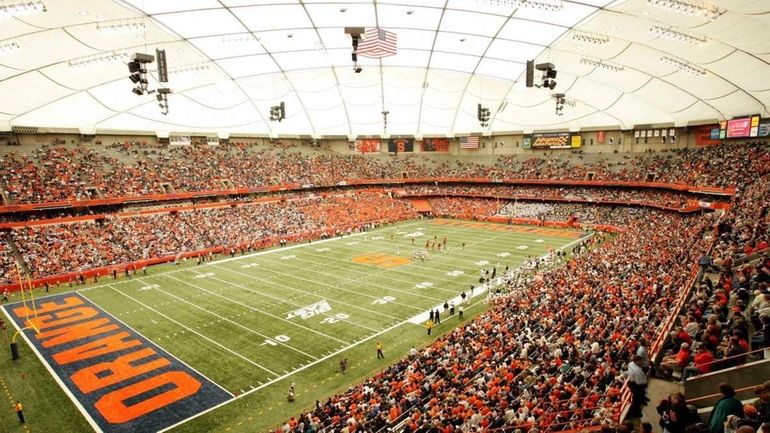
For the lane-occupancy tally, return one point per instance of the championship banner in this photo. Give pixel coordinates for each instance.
(435, 145)
(369, 145)
(180, 140)
(396, 145)
(576, 141)
(551, 140)
(526, 143)
(706, 135)
(600, 137)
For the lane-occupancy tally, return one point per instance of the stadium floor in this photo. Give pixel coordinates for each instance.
(249, 326)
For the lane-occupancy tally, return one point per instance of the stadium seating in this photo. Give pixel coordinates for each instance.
(58, 172)
(63, 248)
(548, 355)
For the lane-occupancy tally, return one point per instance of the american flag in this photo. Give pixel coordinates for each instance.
(469, 142)
(377, 43)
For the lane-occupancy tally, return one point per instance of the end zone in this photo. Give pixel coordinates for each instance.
(121, 381)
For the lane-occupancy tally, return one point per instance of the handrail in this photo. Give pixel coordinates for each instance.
(706, 397)
(683, 297)
(721, 360)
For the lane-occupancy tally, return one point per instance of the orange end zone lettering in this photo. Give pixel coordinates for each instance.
(102, 346)
(113, 406)
(123, 382)
(64, 317)
(80, 331)
(47, 307)
(92, 378)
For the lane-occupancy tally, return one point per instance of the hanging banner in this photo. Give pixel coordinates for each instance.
(706, 135)
(396, 145)
(435, 145)
(369, 145)
(600, 137)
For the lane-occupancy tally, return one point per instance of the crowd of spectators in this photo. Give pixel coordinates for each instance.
(7, 262)
(671, 199)
(733, 299)
(466, 208)
(583, 213)
(58, 172)
(548, 355)
(62, 248)
(729, 164)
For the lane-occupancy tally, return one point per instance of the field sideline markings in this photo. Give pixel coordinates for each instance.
(293, 372)
(362, 281)
(55, 376)
(153, 342)
(383, 274)
(232, 321)
(314, 295)
(195, 332)
(258, 310)
(397, 224)
(329, 356)
(284, 301)
(284, 274)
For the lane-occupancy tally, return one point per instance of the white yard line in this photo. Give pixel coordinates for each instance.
(291, 373)
(61, 384)
(245, 256)
(313, 295)
(228, 284)
(195, 332)
(362, 281)
(381, 273)
(234, 322)
(314, 282)
(156, 344)
(257, 310)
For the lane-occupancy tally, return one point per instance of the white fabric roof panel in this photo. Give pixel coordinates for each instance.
(231, 60)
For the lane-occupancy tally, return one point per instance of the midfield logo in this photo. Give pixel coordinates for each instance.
(311, 310)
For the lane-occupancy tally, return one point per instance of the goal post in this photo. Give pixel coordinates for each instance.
(31, 322)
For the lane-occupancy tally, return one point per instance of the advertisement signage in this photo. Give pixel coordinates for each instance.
(739, 128)
(551, 140)
(764, 128)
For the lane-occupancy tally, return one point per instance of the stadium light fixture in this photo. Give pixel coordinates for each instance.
(601, 64)
(705, 11)
(8, 48)
(190, 68)
(116, 27)
(241, 38)
(548, 5)
(590, 39)
(675, 35)
(683, 66)
(94, 60)
(22, 9)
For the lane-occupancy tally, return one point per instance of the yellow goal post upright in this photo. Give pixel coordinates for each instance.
(30, 322)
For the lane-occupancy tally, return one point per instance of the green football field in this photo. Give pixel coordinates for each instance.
(255, 323)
